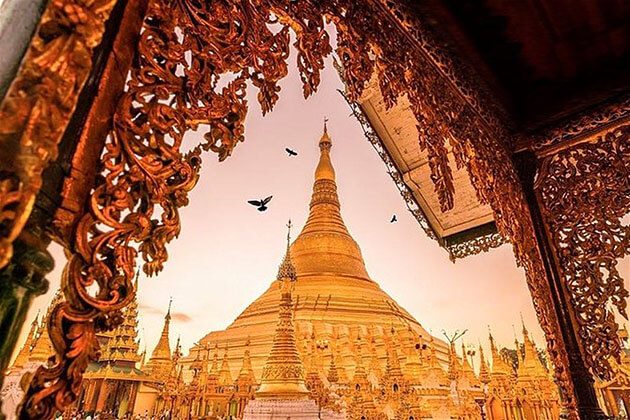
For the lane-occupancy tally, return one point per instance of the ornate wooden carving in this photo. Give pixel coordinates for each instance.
(583, 125)
(585, 193)
(193, 62)
(39, 103)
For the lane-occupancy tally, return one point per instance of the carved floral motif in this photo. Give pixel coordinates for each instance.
(585, 191)
(39, 103)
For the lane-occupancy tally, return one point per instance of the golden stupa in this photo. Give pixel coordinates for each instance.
(334, 298)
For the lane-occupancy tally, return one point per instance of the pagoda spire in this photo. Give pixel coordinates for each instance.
(225, 375)
(454, 367)
(283, 374)
(22, 357)
(467, 369)
(375, 365)
(413, 365)
(214, 368)
(360, 376)
(325, 228)
(160, 360)
(246, 375)
(530, 364)
(392, 368)
(123, 346)
(434, 366)
(163, 347)
(484, 374)
(499, 367)
(333, 373)
(43, 348)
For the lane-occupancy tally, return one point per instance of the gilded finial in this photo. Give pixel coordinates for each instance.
(289, 225)
(324, 142)
(525, 332)
(287, 270)
(168, 312)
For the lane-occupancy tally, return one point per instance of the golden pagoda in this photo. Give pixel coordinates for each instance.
(22, 357)
(42, 349)
(524, 393)
(334, 296)
(114, 384)
(160, 362)
(283, 374)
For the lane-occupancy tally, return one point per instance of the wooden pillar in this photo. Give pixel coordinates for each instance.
(527, 166)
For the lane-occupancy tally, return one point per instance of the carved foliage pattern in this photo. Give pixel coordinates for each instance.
(585, 193)
(184, 50)
(39, 102)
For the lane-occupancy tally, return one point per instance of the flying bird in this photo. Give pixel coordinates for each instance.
(290, 151)
(261, 204)
(394, 219)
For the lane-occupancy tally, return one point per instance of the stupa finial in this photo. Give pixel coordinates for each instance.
(287, 270)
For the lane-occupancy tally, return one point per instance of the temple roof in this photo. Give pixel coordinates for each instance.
(394, 133)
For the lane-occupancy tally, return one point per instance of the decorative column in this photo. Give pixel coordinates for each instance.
(528, 166)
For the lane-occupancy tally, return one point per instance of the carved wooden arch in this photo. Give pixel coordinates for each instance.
(186, 48)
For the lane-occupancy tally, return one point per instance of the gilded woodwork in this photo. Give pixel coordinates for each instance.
(39, 104)
(585, 193)
(193, 63)
(585, 124)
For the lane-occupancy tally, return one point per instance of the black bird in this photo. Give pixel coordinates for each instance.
(290, 151)
(261, 204)
(394, 219)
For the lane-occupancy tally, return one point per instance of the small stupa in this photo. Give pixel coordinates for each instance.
(282, 393)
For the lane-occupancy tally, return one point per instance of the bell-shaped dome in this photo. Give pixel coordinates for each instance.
(324, 246)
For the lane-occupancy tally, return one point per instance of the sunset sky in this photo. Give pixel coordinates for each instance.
(228, 253)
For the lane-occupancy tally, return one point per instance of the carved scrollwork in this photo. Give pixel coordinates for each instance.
(289, 373)
(184, 50)
(39, 103)
(474, 246)
(585, 192)
(583, 124)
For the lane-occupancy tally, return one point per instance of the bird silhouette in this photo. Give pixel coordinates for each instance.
(290, 151)
(394, 219)
(261, 204)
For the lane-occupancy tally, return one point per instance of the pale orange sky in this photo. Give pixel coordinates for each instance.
(228, 253)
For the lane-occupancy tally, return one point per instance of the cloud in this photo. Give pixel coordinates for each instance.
(150, 310)
(180, 317)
